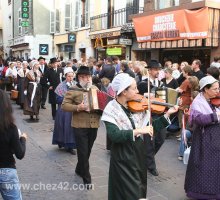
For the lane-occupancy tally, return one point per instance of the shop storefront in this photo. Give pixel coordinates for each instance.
(20, 47)
(111, 44)
(65, 45)
(180, 35)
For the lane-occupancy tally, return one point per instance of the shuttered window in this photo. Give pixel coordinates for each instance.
(57, 20)
(67, 16)
(52, 22)
(77, 14)
(86, 13)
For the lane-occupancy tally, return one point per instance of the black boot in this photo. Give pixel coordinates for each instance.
(72, 151)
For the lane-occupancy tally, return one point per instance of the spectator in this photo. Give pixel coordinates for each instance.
(108, 70)
(11, 142)
(126, 69)
(196, 65)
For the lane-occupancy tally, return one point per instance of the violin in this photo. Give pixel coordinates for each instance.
(216, 101)
(140, 103)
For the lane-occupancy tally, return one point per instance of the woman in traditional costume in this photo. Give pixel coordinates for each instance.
(128, 167)
(32, 91)
(202, 176)
(63, 135)
(22, 73)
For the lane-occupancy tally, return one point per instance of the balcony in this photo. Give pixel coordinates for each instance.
(114, 19)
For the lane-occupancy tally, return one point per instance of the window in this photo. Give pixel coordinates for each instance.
(67, 17)
(77, 15)
(52, 22)
(161, 4)
(57, 20)
(84, 13)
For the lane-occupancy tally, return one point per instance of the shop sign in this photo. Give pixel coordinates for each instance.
(25, 9)
(106, 35)
(179, 24)
(43, 49)
(112, 41)
(21, 40)
(71, 37)
(113, 51)
(125, 41)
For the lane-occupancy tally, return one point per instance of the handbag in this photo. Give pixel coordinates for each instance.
(186, 155)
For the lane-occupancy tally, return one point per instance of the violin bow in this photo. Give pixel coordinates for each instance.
(149, 103)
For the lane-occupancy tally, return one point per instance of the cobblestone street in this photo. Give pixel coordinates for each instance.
(47, 164)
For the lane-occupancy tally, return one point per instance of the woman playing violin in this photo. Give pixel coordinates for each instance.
(128, 170)
(202, 175)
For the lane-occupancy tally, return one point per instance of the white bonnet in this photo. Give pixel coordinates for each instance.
(206, 81)
(68, 70)
(121, 82)
(33, 63)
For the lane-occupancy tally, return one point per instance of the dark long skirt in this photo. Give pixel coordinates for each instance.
(63, 132)
(203, 171)
(34, 110)
(20, 89)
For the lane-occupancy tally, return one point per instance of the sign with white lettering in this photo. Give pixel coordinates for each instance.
(174, 25)
(43, 49)
(125, 41)
(112, 41)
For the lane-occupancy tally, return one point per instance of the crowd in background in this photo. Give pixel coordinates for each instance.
(36, 81)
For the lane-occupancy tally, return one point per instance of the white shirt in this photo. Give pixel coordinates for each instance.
(42, 68)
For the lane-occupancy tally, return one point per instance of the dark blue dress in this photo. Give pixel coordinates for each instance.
(63, 135)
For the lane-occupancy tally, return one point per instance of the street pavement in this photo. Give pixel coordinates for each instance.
(47, 172)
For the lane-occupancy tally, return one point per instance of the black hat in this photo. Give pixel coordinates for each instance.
(41, 58)
(82, 70)
(53, 60)
(154, 64)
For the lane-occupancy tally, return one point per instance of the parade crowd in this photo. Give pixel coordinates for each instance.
(133, 137)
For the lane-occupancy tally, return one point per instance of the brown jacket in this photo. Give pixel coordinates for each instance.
(80, 119)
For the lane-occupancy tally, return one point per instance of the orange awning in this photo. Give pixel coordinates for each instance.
(175, 25)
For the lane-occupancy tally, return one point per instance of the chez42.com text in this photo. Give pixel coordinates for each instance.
(50, 186)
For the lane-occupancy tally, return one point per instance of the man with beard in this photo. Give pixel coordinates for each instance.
(84, 123)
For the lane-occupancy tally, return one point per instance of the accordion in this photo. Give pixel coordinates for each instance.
(96, 99)
(168, 94)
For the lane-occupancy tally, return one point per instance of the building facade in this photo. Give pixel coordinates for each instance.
(30, 34)
(71, 29)
(111, 29)
(165, 20)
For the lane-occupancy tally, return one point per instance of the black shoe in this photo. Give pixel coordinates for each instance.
(72, 151)
(78, 173)
(31, 117)
(43, 107)
(154, 172)
(88, 184)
